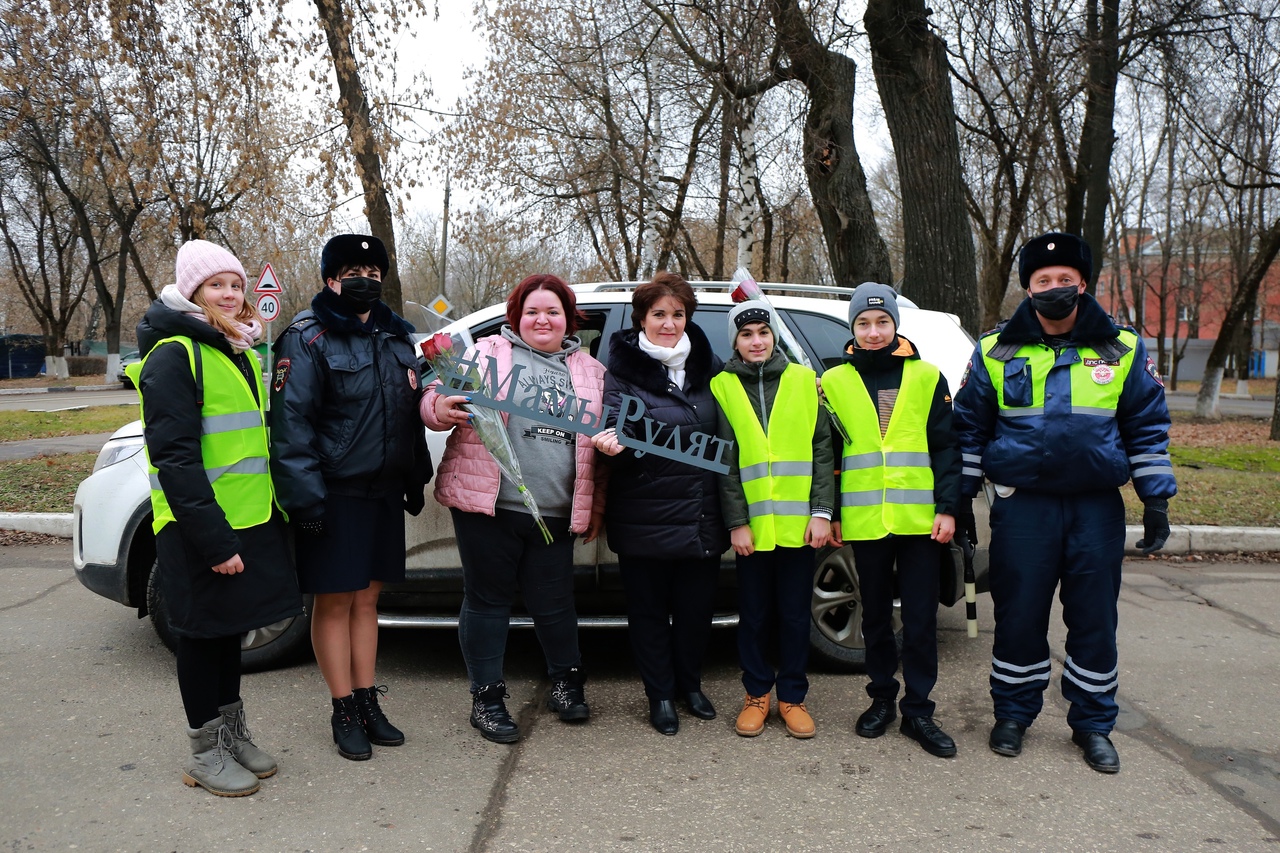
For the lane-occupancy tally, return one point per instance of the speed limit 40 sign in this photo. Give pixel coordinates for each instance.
(268, 306)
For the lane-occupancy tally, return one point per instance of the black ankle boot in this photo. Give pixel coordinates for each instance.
(348, 734)
(375, 723)
(567, 698)
(489, 714)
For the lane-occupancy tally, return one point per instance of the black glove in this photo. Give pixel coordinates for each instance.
(415, 501)
(966, 524)
(312, 527)
(1155, 525)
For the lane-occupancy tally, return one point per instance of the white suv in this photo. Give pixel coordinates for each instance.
(115, 549)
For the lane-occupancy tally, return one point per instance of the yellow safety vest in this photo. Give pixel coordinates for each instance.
(1096, 383)
(886, 483)
(776, 469)
(233, 439)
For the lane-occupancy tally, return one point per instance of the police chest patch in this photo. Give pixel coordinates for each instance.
(1094, 362)
(281, 375)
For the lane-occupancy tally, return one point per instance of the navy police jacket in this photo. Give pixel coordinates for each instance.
(1091, 417)
(344, 409)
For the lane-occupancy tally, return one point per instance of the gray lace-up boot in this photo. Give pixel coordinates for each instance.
(213, 767)
(247, 754)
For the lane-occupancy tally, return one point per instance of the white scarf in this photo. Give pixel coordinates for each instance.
(673, 358)
(248, 335)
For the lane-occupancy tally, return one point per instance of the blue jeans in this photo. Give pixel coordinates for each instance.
(504, 556)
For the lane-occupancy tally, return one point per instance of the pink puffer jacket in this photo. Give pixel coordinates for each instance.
(467, 478)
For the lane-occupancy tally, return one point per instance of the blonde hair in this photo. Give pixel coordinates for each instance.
(247, 314)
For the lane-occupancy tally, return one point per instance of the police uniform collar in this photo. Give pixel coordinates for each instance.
(335, 314)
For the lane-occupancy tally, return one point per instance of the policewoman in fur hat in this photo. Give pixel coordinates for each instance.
(899, 486)
(349, 457)
(777, 501)
(223, 555)
(1059, 408)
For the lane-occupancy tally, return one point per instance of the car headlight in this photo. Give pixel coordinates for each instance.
(117, 451)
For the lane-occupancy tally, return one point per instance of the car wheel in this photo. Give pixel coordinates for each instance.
(835, 631)
(273, 646)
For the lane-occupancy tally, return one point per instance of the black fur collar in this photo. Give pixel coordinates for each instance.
(1093, 325)
(335, 314)
(633, 365)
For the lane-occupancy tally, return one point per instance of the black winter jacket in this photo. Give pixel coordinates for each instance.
(659, 507)
(344, 409)
(203, 603)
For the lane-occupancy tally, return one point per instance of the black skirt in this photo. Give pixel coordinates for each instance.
(205, 604)
(363, 541)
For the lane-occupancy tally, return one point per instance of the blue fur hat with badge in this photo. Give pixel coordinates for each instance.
(1054, 249)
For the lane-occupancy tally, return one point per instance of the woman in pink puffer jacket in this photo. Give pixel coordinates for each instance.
(503, 552)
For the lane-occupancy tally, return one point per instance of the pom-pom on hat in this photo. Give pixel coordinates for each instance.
(1054, 249)
(200, 260)
(873, 296)
(352, 250)
(751, 311)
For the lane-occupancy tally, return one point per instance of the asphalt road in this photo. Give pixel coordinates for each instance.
(93, 737)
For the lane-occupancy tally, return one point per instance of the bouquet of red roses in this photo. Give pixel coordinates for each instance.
(439, 351)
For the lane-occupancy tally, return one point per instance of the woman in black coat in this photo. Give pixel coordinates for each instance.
(663, 516)
(224, 565)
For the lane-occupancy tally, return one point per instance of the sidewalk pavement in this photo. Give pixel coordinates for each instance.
(62, 389)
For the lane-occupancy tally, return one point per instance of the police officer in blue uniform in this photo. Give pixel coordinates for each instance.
(1059, 408)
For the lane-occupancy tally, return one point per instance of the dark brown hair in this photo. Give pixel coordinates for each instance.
(515, 302)
(663, 284)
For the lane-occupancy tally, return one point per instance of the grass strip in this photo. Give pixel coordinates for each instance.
(21, 426)
(43, 483)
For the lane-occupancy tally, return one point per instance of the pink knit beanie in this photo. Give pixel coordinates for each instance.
(199, 260)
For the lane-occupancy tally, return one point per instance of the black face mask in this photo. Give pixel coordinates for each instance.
(361, 293)
(1055, 304)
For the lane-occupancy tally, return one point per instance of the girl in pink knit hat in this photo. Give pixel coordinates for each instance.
(224, 564)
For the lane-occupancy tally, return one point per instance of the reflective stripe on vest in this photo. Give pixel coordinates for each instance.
(777, 469)
(233, 441)
(886, 483)
(1089, 396)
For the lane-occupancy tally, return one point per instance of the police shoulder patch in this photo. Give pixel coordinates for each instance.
(281, 375)
(1154, 371)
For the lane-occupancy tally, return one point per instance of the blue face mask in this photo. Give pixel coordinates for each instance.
(1056, 304)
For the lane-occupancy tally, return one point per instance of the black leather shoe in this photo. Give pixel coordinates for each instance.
(348, 734)
(877, 718)
(1099, 753)
(700, 706)
(662, 716)
(1006, 738)
(926, 732)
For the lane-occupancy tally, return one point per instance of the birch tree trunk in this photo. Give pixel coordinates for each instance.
(749, 184)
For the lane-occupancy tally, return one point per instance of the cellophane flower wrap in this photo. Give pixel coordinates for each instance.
(748, 289)
(440, 352)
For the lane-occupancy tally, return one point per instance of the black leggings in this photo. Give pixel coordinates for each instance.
(208, 676)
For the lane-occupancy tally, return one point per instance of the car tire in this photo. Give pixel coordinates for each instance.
(280, 644)
(835, 630)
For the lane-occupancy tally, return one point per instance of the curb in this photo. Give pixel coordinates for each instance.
(52, 523)
(106, 386)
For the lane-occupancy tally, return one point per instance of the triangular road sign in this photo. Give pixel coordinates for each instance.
(267, 282)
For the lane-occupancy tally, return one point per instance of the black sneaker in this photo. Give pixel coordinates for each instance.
(375, 723)
(567, 698)
(489, 714)
(348, 734)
